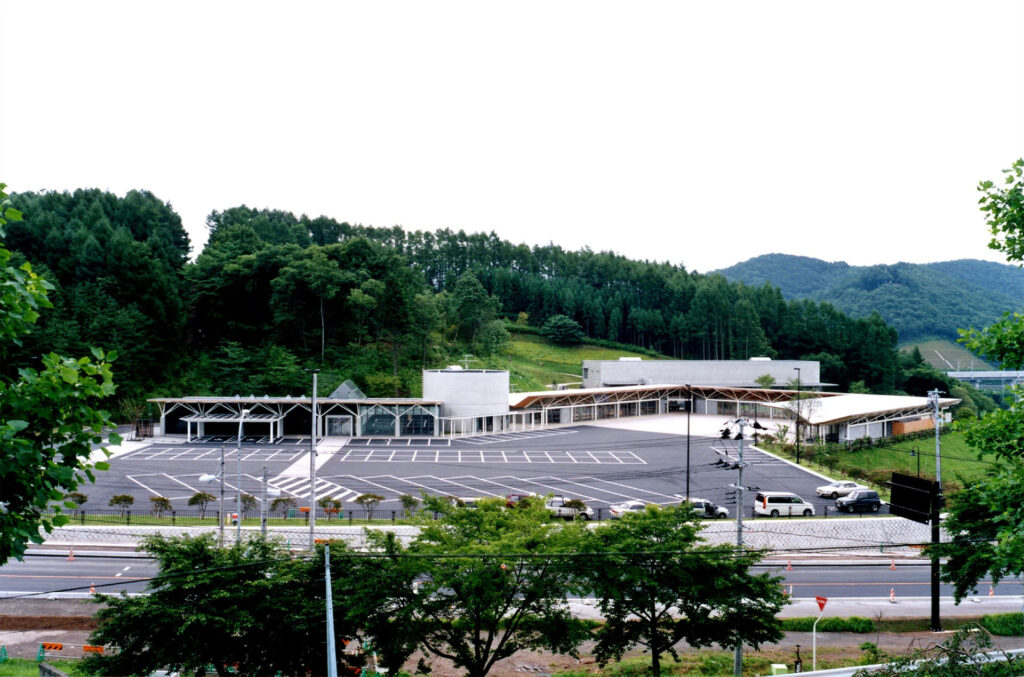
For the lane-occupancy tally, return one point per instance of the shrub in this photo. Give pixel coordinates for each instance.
(1004, 624)
(851, 624)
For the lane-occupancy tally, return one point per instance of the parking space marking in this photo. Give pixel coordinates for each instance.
(369, 455)
(523, 435)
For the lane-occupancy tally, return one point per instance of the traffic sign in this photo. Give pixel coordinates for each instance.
(821, 602)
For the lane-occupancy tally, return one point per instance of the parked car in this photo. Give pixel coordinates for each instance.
(557, 507)
(618, 511)
(706, 508)
(781, 503)
(512, 499)
(838, 488)
(861, 500)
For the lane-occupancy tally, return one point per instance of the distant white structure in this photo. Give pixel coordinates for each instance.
(731, 373)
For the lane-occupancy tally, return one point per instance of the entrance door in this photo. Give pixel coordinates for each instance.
(339, 426)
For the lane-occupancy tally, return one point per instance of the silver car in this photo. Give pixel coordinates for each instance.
(618, 511)
(837, 489)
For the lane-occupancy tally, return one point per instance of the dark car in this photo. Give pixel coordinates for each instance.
(512, 499)
(861, 500)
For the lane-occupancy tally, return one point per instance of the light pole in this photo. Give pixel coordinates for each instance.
(689, 408)
(271, 492)
(737, 666)
(312, 464)
(220, 510)
(238, 493)
(797, 414)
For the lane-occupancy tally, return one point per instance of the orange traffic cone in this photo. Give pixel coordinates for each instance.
(783, 588)
(892, 595)
(789, 565)
(92, 588)
(991, 591)
(892, 564)
(71, 555)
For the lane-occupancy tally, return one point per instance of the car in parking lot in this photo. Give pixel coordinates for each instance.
(558, 507)
(622, 509)
(706, 508)
(781, 504)
(511, 500)
(861, 500)
(838, 488)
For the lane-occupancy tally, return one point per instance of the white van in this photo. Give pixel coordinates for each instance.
(781, 503)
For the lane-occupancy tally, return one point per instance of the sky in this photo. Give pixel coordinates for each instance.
(698, 133)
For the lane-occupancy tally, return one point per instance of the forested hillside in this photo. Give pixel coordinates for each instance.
(273, 294)
(918, 300)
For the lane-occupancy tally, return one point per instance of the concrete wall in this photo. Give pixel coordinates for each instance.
(739, 373)
(467, 392)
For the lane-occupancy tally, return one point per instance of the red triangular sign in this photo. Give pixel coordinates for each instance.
(821, 602)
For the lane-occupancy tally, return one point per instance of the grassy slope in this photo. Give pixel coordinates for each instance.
(955, 356)
(534, 363)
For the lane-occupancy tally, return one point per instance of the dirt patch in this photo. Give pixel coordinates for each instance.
(47, 623)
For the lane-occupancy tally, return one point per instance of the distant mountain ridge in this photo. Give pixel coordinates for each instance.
(918, 300)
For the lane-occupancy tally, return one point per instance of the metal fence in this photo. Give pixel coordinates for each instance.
(297, 517)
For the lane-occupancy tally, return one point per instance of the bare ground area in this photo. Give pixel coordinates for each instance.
(25, 623)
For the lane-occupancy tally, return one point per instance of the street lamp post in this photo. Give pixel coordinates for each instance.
(689, 409)
(797, 414)
(312, 464)
(238, 492)
(220, 509)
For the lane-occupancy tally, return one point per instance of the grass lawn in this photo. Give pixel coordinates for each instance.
(534, 363)
(960, 463)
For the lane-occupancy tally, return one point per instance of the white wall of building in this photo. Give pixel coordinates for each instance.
(737, 373)
(467, 392)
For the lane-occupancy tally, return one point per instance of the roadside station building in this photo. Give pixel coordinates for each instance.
(461, 402)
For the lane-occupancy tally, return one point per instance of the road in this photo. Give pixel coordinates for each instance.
(54, 574)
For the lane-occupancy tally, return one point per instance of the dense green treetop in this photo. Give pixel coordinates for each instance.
(48, 423)
(986, 521)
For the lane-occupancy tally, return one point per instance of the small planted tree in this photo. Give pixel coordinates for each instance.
(409, 503)
(577, 506)
(201, 499)
(369, 503)
(284, 504)
(77, 498)
(122, 502)
(330, 505)
(160, 505)
(248, 504)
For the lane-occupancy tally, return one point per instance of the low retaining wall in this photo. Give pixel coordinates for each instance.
(867, 535)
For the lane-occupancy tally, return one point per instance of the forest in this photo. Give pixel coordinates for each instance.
(272, 294)
(919, 301)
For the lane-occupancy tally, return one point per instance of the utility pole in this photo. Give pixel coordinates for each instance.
(221, 511)
(238, 489)
(689, 408)
(312, 466)
(263, 505)
(332, 660)
(737, 666)
(797, 414)
(933, 399)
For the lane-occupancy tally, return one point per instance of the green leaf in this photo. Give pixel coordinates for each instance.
(17, 425)
(101, 465)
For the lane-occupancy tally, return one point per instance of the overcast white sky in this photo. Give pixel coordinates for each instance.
(700, 133)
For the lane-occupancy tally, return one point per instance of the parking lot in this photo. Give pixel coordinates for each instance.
(601, 465)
